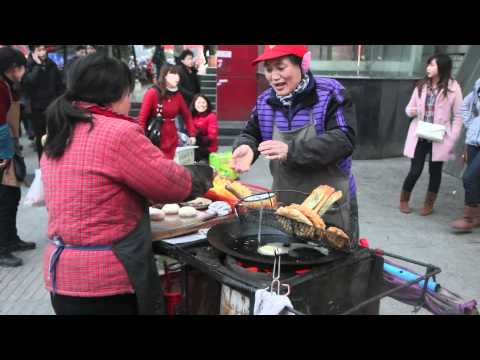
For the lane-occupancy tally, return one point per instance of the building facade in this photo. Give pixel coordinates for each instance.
(380, 78)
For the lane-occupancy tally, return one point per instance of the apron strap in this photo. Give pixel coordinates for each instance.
(55, 256)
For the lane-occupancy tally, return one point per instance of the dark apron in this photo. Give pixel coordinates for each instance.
(291, 183)
(135, 253)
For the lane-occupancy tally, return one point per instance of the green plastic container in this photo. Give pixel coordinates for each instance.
(221, 163)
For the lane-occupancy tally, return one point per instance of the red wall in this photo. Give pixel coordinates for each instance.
(236, 82)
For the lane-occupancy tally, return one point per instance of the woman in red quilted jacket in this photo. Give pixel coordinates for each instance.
(165, 98)
(99, 171)
(206, 126)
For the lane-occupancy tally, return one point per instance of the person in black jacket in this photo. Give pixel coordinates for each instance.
(158, 59)
(189, 83)
(42, 83)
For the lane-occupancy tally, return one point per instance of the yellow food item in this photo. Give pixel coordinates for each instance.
(239, 190)
(219, 184)
(221, 181)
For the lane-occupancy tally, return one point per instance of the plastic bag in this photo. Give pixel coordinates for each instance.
(35, 195)
(221, 163)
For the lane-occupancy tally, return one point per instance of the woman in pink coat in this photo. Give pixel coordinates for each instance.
(436, 99)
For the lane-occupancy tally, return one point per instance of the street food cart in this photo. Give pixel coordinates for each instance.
(221, 271)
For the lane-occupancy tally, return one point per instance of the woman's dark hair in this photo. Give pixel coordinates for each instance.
(161, 82)
(295, 59)
(33, 47)
(185, 53)
(96, 79)
(192, 105)
(10, 58)
(444, 65)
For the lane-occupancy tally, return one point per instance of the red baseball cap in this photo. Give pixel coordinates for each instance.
(276, 51)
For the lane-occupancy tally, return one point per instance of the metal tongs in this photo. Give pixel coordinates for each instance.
(276, 286)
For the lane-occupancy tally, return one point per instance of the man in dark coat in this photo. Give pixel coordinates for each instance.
(42, 83)
(189, 83)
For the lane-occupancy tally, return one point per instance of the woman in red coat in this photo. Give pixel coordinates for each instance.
(206, 127)
(171, 105)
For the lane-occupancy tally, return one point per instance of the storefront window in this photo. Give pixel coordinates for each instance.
(376, 61)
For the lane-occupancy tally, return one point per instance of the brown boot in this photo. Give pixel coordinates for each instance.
(428, 205)
(476, 219)
(468, 221)
(404, 198)
(476, 216)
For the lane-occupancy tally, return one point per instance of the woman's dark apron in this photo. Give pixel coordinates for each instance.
(304, 181)
(135, 253)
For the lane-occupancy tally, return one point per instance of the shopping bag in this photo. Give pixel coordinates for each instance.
(429, 131)
(221, 163)
(35, 195)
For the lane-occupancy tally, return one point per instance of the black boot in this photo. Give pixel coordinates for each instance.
(20, 245)
(10, 260)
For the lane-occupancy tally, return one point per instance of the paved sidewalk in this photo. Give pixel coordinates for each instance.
(21, 289)
(422, 238)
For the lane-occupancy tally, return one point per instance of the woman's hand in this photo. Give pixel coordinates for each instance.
(413, 112)
(242, 159)
(273, 150)
(192, 140)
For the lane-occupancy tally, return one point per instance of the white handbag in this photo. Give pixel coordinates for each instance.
(429, 131)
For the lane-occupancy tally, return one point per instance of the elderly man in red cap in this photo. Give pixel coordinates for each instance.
(303, 124)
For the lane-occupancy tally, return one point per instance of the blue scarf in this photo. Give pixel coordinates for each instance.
(288, 99)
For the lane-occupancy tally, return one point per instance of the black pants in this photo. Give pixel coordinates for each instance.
(471, 176)
(27, 124)
(39, 124)
(424, 148)
(9, 200)
(125, 304)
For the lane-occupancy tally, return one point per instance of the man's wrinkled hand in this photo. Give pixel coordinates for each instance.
(273, 150)
(242, 159)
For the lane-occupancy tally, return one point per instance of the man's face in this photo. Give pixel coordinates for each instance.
(81, 53)
(41, 52)
(188, 61)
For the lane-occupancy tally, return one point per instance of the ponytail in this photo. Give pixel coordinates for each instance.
(95, 79)
(61, 119)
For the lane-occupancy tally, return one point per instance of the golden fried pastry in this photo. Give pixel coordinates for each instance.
(293, 214)
(330, 201)
(337, 237)
(311, 215)
(318, 197)
(264, 200)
